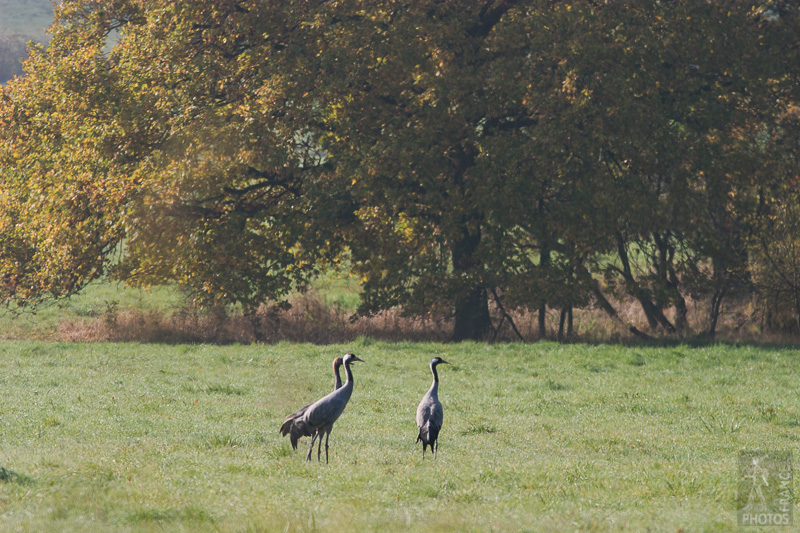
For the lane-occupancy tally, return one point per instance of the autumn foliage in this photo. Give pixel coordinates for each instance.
(524, 154)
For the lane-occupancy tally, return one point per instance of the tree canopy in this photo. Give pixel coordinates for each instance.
(457, 154)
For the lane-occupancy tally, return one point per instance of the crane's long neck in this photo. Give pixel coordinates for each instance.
(337, 382)
(347, 389)
(349, 374)
(435, 385)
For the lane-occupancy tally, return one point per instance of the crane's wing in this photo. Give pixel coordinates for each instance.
(429, 419)
(436, 416)
(299, 413)
(295, 428)
(308, 419)
(328, 409)
(422, 410)
(429, 410)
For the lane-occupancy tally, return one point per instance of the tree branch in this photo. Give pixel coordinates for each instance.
(505, 315)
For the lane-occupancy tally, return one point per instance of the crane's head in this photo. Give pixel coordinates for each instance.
(437, 360)
(350, 358)
(337, 363)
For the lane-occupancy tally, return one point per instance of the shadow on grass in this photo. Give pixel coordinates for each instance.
(9, 476)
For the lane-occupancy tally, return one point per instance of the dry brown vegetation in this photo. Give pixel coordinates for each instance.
(308, 320)
(312, 320)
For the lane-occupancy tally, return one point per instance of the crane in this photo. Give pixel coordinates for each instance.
(430, 414)
(316, 420)
(337, 383)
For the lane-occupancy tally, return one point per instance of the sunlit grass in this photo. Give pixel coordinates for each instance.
(104, 299)
(538, 437)
(98, 300)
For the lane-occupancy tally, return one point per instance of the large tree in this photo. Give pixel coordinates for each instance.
(531, 153)
(183, 136)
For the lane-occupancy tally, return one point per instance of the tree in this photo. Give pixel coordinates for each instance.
(526, 152)
(178, 140)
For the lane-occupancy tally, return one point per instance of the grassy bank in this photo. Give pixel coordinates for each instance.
(538, 437)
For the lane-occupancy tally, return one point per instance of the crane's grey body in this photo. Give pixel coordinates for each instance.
(430, 414)
(316, 420)
(337, 383)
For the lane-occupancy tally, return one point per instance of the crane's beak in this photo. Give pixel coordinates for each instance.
(354, 359)
(443, 361)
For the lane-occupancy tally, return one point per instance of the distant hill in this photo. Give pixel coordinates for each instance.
(21, 21)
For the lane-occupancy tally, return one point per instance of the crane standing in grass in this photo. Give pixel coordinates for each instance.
(430, 414)
(316, 420)
(337, 384)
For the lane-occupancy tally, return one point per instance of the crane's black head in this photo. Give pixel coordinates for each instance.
(351, 358)
(437, 360)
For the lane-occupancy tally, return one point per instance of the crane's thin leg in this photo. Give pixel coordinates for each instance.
(311, 448)
(435, 447)
(319, 447)
(326, 446)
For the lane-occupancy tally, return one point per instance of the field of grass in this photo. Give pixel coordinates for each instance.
(99, 300)
(543, 437)
(104, 299)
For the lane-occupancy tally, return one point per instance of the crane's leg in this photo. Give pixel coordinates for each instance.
(326, 446)
(311, 448)
(435, 447)
(319, 446)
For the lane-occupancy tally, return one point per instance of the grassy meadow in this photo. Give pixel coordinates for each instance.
(538, 437)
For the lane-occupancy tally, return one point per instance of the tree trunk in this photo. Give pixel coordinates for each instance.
(472, 321)
(606, 306)
(570, 323)
(716, 305)
(472, 315)
(544, 264)
(681, 311)
(652, 312)
(565, 318)
(561, 320)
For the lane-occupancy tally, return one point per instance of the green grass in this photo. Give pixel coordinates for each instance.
(99, 299)
(131, 437)
(103, 299)
(341, 291)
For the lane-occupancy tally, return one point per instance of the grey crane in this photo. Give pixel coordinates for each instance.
(430, 414)
(316, 420)
(337, 383)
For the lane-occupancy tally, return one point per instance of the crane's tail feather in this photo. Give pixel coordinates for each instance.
(296, 429)
(286, 428)
(428, 434)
